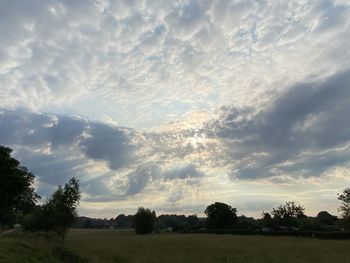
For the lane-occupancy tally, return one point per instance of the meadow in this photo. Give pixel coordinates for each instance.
(100, 246)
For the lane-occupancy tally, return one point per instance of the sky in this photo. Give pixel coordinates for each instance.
(174, 105)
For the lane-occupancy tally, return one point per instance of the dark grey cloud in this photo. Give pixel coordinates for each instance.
(54, 168)
(107, 143)
(66, 131)
(290, 134)
(18, 125)
(182, 172)
(139, 178)
(56, 148)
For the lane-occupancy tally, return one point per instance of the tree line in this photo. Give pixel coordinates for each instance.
(286, 217)
(18, 204)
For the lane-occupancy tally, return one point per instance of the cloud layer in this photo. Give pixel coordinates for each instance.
(142, 63)
(176, 104)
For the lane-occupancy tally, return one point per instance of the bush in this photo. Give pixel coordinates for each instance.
(144, 221)
(309, 224)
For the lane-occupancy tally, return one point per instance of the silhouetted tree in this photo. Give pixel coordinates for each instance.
(309, 224)
(192, 221)
(286, 214)
(144, 221)
(17, 196)
(176, 222)
(345, 203)
(326, 218)
(268, 221)
(246, 222)
(220, 215)
(345, 208)
(123, 221)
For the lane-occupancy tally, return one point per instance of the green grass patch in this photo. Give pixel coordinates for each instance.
(34, 248)
(17, 247)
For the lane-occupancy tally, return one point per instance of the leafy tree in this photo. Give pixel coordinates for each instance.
(58, 213)
(286, 214)
(61, 208)
(326, 218)
(345, 203)
(220, 215)
(17, 196)
(144, 221)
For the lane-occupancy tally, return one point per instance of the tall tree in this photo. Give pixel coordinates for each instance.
(287, 213)
(144, 221)
(345, 203)
(220, 215)
(326, 218)
(58, 213)
(61, 209)
(17, 195)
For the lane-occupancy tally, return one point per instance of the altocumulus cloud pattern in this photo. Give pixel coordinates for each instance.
(176, 104)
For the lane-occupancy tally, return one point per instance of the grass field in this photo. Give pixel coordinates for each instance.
(125, 246)
(100, 246)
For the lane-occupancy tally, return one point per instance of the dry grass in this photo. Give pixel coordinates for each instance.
(125, 246)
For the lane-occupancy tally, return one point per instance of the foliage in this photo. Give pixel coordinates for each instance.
(17, 196)
(144, 221)
(326, 218)
(176, 222)
(58, 212)
(123, 221)
(345, 203)
(309, 224)
(192, 221)
(246, 222)
(267, 220)
(288, 213)
(220, 215)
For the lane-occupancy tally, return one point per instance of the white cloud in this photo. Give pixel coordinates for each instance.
(162, 59)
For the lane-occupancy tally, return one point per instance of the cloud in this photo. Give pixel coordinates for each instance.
(303, 130)
(151, 62)
(111, 144)
(56, 148)
(182, 172)
(139, 179)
